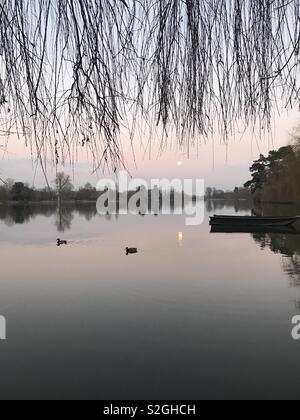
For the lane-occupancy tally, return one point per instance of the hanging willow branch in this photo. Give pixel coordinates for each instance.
(74, 72)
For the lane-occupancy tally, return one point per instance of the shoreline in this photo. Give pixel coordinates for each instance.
(45, 203)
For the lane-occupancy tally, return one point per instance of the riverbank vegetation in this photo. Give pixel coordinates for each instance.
(239, 193)
(62, 190)
(275, 178)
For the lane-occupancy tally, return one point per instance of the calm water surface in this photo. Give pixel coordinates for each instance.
(193, 315)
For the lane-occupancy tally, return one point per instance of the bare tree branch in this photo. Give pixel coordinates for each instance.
(74, 73)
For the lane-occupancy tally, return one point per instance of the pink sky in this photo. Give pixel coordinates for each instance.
(220, 165)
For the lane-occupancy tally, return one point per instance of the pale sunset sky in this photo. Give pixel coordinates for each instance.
(219, 165)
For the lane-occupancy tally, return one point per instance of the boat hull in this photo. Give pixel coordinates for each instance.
(252, 221)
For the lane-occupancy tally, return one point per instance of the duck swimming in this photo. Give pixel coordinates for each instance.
(61, 242)
(131, 250)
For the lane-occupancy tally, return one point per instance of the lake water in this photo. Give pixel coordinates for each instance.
(193, 315)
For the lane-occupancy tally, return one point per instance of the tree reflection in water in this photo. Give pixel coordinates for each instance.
(291, 266)
(213, 206)
(22, 214)
(63, 218)
(63, 215)
(288, 245)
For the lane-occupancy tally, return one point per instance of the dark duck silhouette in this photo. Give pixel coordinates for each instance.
(61, 242)
(131, 250)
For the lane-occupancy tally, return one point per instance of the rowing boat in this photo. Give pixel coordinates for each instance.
(252, 220)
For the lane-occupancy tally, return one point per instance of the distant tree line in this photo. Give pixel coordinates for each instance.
(276, 177)
(63, 190)
(239, 193)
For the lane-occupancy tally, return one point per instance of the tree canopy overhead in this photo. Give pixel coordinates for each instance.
(75, 72)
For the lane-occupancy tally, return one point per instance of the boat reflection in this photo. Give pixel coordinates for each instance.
(291, 230)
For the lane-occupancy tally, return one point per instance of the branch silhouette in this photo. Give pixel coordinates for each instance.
(76, 73)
